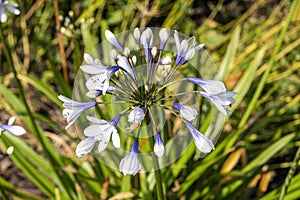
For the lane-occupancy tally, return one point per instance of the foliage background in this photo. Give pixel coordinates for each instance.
(247, 39)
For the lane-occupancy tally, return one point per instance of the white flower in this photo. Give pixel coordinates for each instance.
(113, 40)
(204, 144)
(166, 61)
(216, 92)
(136, 116)
(126, 64)
(220, 100)
(159, 147)
(209, 86)
(137, 35)
(73, 109)
(101, 133)
(11, 7)
(102, 79)
(147, 41)
(130, 163)
(163, 37)
(93, 66)
(96, 90)
(187, 112)
(13, 129)
(103, 73)
(185, 52)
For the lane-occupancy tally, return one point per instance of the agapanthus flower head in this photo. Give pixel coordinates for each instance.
(11, 7)
(144, 80)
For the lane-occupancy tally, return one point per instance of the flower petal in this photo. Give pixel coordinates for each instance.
(13, 129)
(204, 144)
(130, 163)
(209, 86)
(115, 139)
(85, 146)
(113, 40)
(159, 147)
(188, 113)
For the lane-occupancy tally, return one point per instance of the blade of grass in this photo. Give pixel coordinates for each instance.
(246, 81)
(232, 190)
(262, 82)
(230, 53)
(8, 187)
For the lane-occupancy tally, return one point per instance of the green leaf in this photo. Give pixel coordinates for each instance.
(42, 87)
(230, 53)
(232, 190)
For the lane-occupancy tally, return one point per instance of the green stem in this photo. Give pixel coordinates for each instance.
(3, 194)
(290, 175)
(157, 172)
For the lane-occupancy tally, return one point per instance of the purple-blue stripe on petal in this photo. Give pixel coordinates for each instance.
(204, 94)
(178, 59)
(116, 120)
(112, 69)
(6, 127)
(135, 147)
(197, 81)
(158, 139)
(177, 106)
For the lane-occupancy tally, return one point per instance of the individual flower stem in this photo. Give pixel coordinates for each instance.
(3, 194)
(157, 172)
(290, 175)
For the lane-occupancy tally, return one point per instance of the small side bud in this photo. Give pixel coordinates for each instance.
(113, 54)
(126, 51)
(133, 60)
(154, 52)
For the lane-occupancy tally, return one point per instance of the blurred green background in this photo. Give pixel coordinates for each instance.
(256, 45)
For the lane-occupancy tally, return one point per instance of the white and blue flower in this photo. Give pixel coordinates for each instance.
(147, 41)
(113, 40)
(13, 129)
(73, 109)
(11, 7)
(204, 144)
(187, 112)
(137, 115)
(130, 164)
(185, 49)
(216, 92)
(159, 147)
(100, 132)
